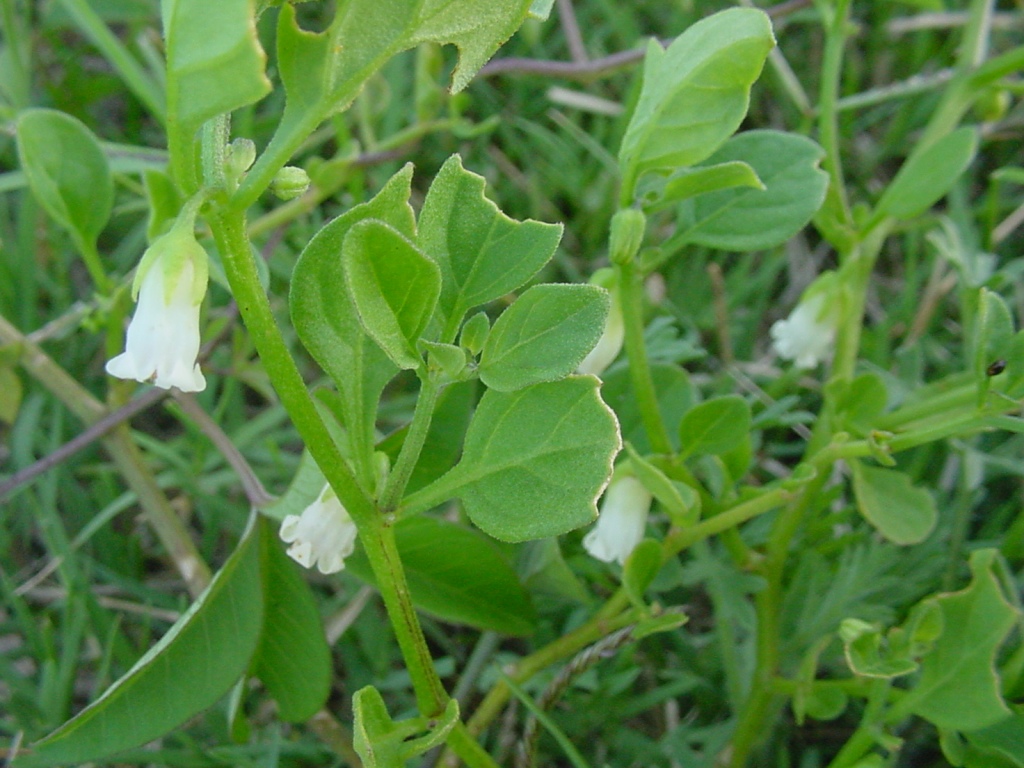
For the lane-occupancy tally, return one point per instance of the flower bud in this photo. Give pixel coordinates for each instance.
(627, 234)
(290, 182)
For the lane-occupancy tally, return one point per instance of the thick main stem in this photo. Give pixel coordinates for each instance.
(378, 541)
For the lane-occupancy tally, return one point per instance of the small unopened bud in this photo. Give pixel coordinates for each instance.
(290, 182)
(241, 156)
(627, 234)
(475, 332)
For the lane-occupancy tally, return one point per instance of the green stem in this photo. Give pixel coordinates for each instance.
(828, 97)
(679, 540)
(863, 738)
(611, 617)
(376, 536)
(639, 368)
(93, 263)
(399, 476)
(273, 159)
(464, 744)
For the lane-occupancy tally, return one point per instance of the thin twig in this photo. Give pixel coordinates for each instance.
(102, 426)
(251, 485)
(81, 441)
(571, 29)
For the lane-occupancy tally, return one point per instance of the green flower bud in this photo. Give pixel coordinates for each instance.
(290, 182)
(627, 234)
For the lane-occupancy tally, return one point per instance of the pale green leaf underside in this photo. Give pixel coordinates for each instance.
(929, 174)
(325, 317)
(394, 288)
(544, 335)
(536, 460)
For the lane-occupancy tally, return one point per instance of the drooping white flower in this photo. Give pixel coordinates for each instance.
(610, 343)
(808, 334)
(621, 523)
(323, 535)
(162, 342)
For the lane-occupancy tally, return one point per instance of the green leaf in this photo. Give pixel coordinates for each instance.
(959, 687)
(394, 288)
(750, 219)
(483, 254)
(887, 498)
(928, 174)
(690, 182)
(544, 335)
(66, 170)
(714, 427)
(868, 652)
(641, 567)
(993, 336)
(194, 664)
(861, 403)
(164, 202)
(536, 460)
(323, 72)
(458, 575)
(695, 93)
(293, 659)
(383, 743)
(1004, 740)
(214, 61)
(476, 27)
(326, 320)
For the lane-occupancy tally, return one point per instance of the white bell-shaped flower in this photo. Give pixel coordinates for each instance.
(621, 523)
(610, 343)
(323, 535)
(807, 336)
(162, 342)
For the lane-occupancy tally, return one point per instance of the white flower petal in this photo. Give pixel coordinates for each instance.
(621, 524)
(608, 346)
(323, 535)
(163, 337)
(805, 337)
